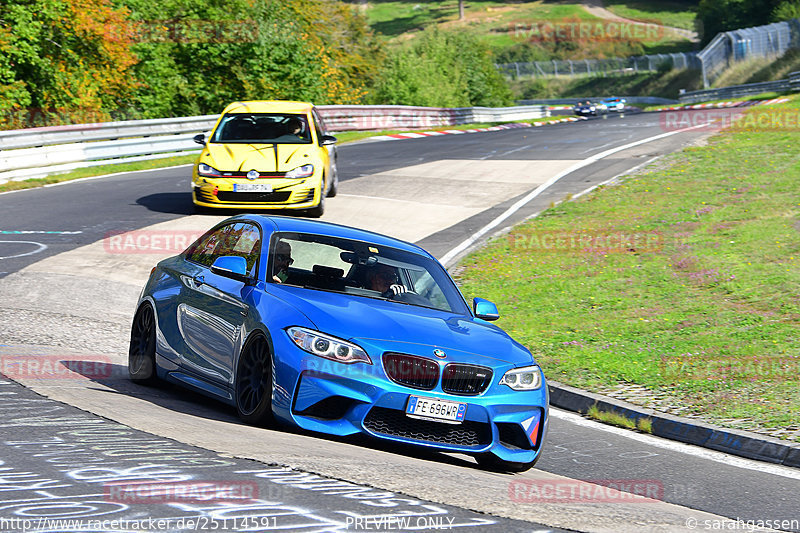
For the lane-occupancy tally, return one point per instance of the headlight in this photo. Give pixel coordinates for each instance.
(206, 170)
(592, 108)
(327, 346)
(300, 172)
(526, 378)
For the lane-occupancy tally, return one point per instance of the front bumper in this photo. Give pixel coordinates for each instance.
(339, 399)
(285, 194)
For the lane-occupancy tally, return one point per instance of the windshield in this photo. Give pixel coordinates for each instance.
(362, 269)
(263, 128)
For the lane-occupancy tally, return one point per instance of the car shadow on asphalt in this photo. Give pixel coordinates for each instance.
(185, 401)
(180, 203)
(176, 203)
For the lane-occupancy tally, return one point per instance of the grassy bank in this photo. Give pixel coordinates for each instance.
(698, 302)
(504, 24)
(663, 12)
(663, 84)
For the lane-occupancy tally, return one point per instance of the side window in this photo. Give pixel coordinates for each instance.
(239, 239)
(319, 125)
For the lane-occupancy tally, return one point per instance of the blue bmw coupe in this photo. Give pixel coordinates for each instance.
(340, 331)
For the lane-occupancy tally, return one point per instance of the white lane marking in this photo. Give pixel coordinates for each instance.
(452, 254)
(41, 248)
(688, 449)
(37, 232)
(91, 178)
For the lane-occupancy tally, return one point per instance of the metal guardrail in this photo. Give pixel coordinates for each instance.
(644, 100)
(37, 152)
(740, 91)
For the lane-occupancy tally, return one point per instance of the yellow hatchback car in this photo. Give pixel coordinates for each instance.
(266, 155)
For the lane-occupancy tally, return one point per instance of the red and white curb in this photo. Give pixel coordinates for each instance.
(515, 125)
(721, 105)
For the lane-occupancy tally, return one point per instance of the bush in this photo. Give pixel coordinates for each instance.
(442, 69)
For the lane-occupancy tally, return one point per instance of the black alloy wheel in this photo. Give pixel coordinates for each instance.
(254, 382)
(142, 349)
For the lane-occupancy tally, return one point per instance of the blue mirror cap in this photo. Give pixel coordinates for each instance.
(484, 309)
(232, 264)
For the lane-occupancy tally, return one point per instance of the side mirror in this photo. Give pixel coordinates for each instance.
(327, 140)
(485, 310)
(200, 139)
(231, 266)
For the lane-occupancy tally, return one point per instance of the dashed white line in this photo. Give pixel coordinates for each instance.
(37, 232)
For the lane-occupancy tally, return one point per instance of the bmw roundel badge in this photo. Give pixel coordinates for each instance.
(439, 353)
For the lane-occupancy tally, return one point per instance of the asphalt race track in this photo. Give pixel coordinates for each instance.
(68, 296)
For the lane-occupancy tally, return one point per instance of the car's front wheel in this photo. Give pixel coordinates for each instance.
(490, 461)
(142, 348)
(254, 382)
(319, 209)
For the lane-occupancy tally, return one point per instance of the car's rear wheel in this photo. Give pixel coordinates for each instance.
(142, 348)
(490, 461)
(254, 382)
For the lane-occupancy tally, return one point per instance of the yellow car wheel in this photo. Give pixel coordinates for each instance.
(319, 209)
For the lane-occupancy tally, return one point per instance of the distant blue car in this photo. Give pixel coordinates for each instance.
(614, 104)
(339, 331)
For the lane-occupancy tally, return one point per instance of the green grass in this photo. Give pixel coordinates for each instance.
(759, 70)
(665, 85)
(702, 305)
(645, 425)
(662, 12)
(504, 24)
(762, 96)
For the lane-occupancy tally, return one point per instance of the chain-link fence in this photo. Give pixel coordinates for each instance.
(772, 40)
(600, 67)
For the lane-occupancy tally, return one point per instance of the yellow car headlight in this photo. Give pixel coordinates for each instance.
(208, 171)
(300, 172)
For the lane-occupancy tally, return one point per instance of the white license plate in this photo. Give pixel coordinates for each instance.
(252, 187)
(444, 410)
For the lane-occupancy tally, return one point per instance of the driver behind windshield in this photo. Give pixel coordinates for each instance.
(383, 278)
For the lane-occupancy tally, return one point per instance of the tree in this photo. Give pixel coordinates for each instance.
(59, 58)
(442, 69)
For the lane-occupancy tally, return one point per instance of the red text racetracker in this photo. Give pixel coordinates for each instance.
(444, 410)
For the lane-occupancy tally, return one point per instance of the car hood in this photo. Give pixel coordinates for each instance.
(379, 325)
(235, 157)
